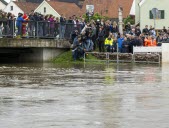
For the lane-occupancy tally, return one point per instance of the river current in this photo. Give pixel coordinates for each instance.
(84, 96)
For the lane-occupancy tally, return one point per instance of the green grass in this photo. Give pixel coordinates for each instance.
(66, 57)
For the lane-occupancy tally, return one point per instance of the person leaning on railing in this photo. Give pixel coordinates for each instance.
(19, 24)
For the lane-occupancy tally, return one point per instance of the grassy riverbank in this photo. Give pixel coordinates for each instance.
(66, 57)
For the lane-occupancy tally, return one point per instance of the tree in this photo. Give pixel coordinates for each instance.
(129, 19)
(94, 17)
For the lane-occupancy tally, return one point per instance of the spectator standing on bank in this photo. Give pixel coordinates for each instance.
(120, 41)
(115, 29)
(164, 29)
(137, 31)
(101, 39)
(145, 30)
(107, 29)
(125, 45)
(109, 43)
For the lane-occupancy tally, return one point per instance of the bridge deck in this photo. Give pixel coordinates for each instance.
(33, 43)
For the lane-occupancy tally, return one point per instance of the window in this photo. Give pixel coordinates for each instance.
(44, 9)
(160, 15)
(11, 8)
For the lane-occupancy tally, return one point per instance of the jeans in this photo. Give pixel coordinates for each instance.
(77, 53)
(31, 30)
(119, 49)
(101, 46)
(62, 31)
(19, 30)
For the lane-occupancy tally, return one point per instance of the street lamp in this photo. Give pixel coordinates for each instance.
(155, 12)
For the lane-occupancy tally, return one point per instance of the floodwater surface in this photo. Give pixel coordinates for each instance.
(78, 96)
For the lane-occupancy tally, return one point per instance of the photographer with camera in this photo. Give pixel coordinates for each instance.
(78, 50)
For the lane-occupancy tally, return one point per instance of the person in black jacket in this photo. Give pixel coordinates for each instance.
(137, 31)
(107, 29)
(145, 30)
(31, 24)
(101, 39)
(125, 46)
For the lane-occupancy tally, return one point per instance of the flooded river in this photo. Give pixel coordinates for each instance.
(84, 96)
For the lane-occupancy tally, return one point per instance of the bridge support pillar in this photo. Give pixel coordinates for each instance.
(40, 54)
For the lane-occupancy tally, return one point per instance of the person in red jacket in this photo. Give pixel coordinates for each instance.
(24, 24)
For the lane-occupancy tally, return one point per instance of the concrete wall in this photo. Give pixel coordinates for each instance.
(29, 54)
(49, 9)
(32, 50)
(147, 6)
(165, 53)
(51, 53)
(40, 54)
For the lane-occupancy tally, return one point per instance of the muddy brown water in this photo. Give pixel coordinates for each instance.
(84, 96)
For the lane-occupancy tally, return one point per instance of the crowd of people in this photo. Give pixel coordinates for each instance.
(84, 36)
(34, 24)
(105, 36)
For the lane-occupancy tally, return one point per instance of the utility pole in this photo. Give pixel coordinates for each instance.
(120, 20)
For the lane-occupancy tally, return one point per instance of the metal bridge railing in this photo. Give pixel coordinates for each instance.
(37, 29)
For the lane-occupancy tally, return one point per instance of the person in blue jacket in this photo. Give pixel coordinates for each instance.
(120, 42)
(19, 24)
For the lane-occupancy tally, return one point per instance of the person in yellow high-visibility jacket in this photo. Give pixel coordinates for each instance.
(109, 43)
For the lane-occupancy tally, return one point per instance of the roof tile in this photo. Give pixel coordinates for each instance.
(65, 8)
(109, 8)
(26, 6)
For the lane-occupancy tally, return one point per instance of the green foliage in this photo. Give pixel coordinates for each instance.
(66, 57)
(94, 17)
(129, 19)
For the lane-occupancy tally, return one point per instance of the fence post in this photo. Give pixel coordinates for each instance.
(117, 53)
(13, 28)
(84, 58)
(37, 29)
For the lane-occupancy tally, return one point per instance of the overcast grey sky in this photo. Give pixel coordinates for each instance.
(7, 1)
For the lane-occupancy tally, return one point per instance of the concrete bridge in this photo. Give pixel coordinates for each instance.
(31, 50)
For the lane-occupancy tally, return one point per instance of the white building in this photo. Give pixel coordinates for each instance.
(144, 16)
(3, 4)
(57, 8)
(16, 7)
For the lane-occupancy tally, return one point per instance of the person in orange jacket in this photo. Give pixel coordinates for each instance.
(150, 41)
